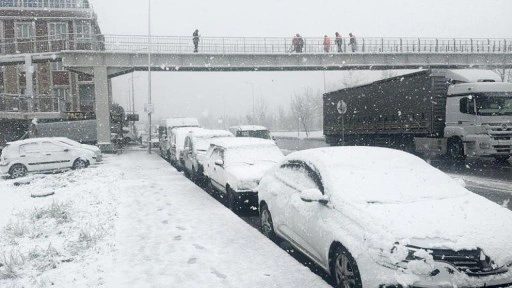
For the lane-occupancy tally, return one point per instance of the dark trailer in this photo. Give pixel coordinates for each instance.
(387, 113)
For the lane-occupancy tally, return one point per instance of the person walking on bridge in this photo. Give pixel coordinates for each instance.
(327, 44)
(195, 39)
(353, 42)
(297, 43)
(339, 41)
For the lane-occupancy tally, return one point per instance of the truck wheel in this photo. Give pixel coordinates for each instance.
(501, 158)
(456, 149)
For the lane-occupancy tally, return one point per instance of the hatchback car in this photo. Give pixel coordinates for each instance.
(234, 167)
(376, 217)
(194, 152)
(42, 155)
(94, 149)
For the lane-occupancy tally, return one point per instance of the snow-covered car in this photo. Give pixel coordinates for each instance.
(194, 152)
(96, 150)
(251, 131)
(234, 167)
(177, 142)
(375, 216)
(42, 155)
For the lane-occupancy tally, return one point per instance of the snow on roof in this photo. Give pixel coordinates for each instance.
(480, 87)
(207, 133)
(472, 75)
(248, 127)
(234, 142)
(31, 140)
(181, 122)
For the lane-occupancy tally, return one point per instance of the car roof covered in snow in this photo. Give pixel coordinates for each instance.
(31, 140)
(373, 174)
(207, 133)
(239, 142)
(248, 128)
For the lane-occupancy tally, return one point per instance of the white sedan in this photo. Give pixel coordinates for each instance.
(234, 167)
(374, 216)
(42, 155)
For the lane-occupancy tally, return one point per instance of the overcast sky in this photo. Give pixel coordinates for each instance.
(187, 93)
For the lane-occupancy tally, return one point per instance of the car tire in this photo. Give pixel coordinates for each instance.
(17, 171)
(456, 149)
(187, 174)
(232, 202)
(344, 269)
(266, 224)
(79, 164)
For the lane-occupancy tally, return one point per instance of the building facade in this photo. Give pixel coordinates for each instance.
(38, 26)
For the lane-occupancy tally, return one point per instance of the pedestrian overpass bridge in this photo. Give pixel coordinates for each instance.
(108, 56)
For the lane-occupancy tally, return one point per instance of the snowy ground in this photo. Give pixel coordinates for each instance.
(132, 221)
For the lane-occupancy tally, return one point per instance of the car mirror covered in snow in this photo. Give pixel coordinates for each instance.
(219, 163)
(313, 195)
(460, 181)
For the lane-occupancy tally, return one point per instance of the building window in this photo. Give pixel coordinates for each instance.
(83, 30)
(57, 66)
(56, 30)
(8, 3)
(62, 93)
(31, 3)
(24, 30)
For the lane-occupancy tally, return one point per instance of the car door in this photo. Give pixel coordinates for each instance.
(215, 171)
(56, 156)
(187, 155)
(305, 220)
(31, 156)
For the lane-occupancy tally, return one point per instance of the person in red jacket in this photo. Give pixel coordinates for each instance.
(327, 44)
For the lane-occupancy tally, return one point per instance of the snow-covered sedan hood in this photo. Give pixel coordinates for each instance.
(466, 222)
(249, 172)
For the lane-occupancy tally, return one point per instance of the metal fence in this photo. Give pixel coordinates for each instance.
(26, 104)
(250, 45)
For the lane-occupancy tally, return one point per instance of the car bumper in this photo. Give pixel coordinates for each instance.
(4, 168)
(246, 197)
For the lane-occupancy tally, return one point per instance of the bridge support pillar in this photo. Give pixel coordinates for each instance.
(29, 80)
(101, 88)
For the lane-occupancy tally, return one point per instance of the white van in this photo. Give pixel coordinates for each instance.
(165, 129)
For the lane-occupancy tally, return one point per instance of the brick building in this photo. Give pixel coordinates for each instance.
(38, 26)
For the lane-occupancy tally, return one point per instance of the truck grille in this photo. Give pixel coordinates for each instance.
(500, 131)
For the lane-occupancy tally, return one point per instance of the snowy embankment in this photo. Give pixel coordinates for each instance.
(132, 221)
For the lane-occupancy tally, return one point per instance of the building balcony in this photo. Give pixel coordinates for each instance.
(45, 4)
(51, 44)
(25, 107)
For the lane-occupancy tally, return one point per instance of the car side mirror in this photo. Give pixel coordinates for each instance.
(274, 138)
(313, 195)
(66, 150)
(219, 163)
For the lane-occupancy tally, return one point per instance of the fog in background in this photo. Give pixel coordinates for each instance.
(216, 93)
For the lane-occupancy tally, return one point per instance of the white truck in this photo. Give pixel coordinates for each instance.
(459, 113)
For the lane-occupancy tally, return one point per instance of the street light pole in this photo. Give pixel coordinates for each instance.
(149, 76)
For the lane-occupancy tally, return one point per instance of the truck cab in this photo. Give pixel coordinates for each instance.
(478, 115)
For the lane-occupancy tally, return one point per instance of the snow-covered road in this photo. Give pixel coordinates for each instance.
(158, 230)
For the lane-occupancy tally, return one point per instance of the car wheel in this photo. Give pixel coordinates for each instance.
(79, 164)
(345, 271)
(187, 174)
(17, 171)
(209, 186)
(456, 149)
(232, 201)
(267, 226)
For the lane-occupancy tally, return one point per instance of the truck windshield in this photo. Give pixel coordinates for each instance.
(494, 104)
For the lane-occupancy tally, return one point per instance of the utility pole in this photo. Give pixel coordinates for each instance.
(149, 76)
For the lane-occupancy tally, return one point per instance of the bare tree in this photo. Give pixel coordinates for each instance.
(304, 107)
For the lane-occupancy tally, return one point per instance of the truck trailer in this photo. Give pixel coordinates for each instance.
(457, 113)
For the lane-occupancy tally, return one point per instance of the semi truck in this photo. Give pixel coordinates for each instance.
(457, 113)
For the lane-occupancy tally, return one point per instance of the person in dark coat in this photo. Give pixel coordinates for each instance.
(353, 42)
(195, 39)
(339, 41)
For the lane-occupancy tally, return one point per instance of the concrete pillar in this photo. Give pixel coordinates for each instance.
(102, 108)
(29, 87)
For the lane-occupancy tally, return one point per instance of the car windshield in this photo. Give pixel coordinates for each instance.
(264, 134)
(494, 104)
(252, 155)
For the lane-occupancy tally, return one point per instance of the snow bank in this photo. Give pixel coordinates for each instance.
(133, 221)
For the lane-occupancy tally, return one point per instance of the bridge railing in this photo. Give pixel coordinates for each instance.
(23, 103)
(250, 45)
